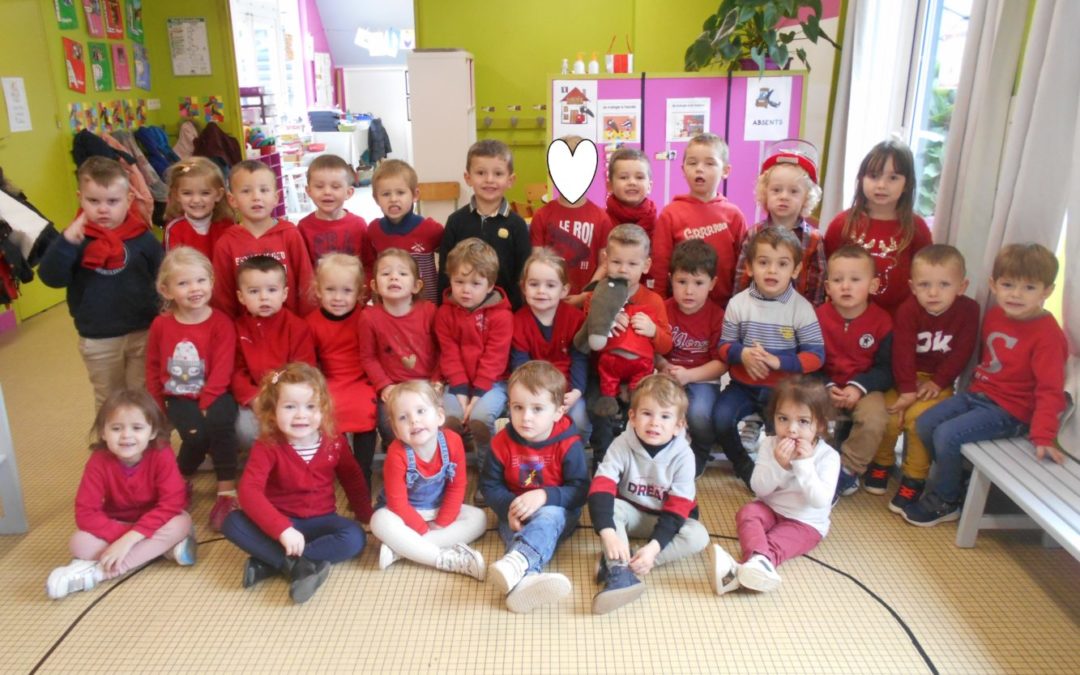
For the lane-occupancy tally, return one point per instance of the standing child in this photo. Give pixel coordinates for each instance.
(189, 364)
(644, 488)
(288, 524)
(420, 514)
(253, 193)
(395, 188)
(882, 220)
(108, 261)
(331, 229)
(197, 210)
(1018, 387)
(794, 482)
(629, 182)
(535, 480)
(339, 279)
(489, 171)
(702, 214)
(130, 505)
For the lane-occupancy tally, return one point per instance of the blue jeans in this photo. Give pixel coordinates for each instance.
(541, 535)
(964, 418)
(734, 403)
(579, 415)
(489, 408)
(700, 416)
(330, 537)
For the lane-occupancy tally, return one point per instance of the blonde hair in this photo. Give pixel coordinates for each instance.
(813, 190)
(395, 168)
(421, 388)
(539, 376)
(200, 168)
(629, 234)
(941, 255)
(713, 141)
(331, 163)
(341, 261)
(477, 255)
(400, 254)
(265, 404)
(545, 256)
(665, 390)
(181, 256)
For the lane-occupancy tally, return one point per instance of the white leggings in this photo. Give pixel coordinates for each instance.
(424, 548)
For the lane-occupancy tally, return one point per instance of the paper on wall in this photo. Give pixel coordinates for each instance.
(768, 108)
(18, 108)
(686, 118)
(620, 120)
(575, 109)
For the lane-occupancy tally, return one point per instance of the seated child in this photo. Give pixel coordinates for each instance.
(197, 211)
(130, 505)
(330, 228)
(419, 514)
(535, 480)
(629, 182)
(1018, 387)
(794, 481)
(644, 488)
(288, 523)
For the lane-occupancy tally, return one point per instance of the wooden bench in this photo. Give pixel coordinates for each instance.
(1048, 493)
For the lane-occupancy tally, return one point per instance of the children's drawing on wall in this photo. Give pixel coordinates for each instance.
(105, 117)
(142, 67)
(114, 20)
(95, 21)
(686, 118)
(575, 109)
(67, 17)
(620, 120)
(90, 116)
(121, 68)
(129, 113)
(75, 63)
(214, 109)
(768, 109)
(100, 66)
(189, 107)
(75, 117)
(134, 20)
(140, 112)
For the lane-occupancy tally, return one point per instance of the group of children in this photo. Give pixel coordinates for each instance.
(268, 335)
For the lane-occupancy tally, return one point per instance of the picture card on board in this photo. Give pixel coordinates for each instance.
(114, 20)
(142, 67)
(95, 19)
(75, 63)
(575, 109)
(686, 118)
(100, 65)
(768, 108)
(121, 67)
(620, 120)
(67, 17)
(134, 20)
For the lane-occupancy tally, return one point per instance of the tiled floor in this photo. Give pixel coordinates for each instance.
(876, 596)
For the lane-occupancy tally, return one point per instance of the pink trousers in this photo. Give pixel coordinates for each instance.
(86, 546)
(762, 530)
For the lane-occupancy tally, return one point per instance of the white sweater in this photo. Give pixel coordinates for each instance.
(805, 492)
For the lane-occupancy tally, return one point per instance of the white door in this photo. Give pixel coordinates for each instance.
(382, 93)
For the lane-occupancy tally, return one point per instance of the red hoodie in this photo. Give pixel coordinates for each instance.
(474, 343)
(282, 242)
(267, 344)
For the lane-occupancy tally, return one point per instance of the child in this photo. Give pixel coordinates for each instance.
(420, 514)
(130, 505)
(288, 524)
(575, 231)
(629, 184)
(197, 210)
(858, 349)
(535, 480)
(788, 191)
(108, 261)
(934, 336)
(696, 324)
(253, 193)
(702, 214)
(882, 220)
(644, 488)
(1018, 387)
(769, 333)
(489, 171)
(474, 327)
(394, 186)
(794, 481)
(189, 364)
(339, 279)
(397, 332)
(331, 229)
(545, 328)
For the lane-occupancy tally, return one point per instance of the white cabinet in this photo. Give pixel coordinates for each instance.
(349, 145)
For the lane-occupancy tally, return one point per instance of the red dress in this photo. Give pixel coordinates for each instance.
(337, 347)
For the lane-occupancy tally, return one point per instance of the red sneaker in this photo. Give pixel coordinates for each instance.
(224, 505)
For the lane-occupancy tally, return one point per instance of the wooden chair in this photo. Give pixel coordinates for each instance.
(446, 191)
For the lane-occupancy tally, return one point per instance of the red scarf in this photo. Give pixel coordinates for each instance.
(106, 248)
(644, 214)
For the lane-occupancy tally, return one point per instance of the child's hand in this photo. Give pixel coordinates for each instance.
(527, 503)
(515, 524)
(292, 541)
(1043, 451)
(463, 401)
(680, 373)
(469, 407)
(385, 395)
(845, 398)
(643, 561)
(614, 547)
(803, 449)
(783, 452)
(643, 325)
(927, 391)
(662, 365)
(76, 231)
(571, 397)
(115, 553)
(577, 300)
(622, 320)
(902, 403)
(753, 359)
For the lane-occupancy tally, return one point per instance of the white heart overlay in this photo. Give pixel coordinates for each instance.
(572, 172)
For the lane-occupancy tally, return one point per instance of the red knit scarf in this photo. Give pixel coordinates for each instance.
(644, 214)
(106, 250)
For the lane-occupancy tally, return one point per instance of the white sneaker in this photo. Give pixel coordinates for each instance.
(536, 590)
(724, 573)
(758, 574)
(461, 559)
(78, 575)
(185, 552)
(508, 571)
(387, 557)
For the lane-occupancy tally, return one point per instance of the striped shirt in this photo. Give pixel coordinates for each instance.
(307, 452)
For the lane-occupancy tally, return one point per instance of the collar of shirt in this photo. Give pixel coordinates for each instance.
(503, 210)
(783, 297)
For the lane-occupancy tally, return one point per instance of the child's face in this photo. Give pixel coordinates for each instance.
(338, 290)
(198, 197)
(691, 290)
(704, 169)
(490, 178)
(105, 205)
(785, 192)
(627, 261)
(850, 283)
(543, 288)
(127, 433)
(329, 188)
(654, 423)
(884, 189)
(1020, 299)
(298, 414)
(262, 293)
(773, 269)
(395, 197)
(416, 421)
(189, 287)
(394, 280)
(254, 194)
(630, 182)
(936, 287)
(533, 414)
(794, 420)
(469, 288)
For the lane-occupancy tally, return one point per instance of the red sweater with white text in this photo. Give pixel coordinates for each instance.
(695, 338)
(576, 234)
(940, 345)
(344, 235)
(267, 344)
(284, 243)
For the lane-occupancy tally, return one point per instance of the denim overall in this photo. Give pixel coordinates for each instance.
(425, 492)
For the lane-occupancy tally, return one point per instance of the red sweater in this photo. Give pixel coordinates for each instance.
(421, 237)
(397, 495)
(112, 496)
(854, 348)
(278, 485)
(881, 239)
(267, 344)
(528, 338)
(474, 343)
(394, 349)
(695, 338)
(344, 235)
(940, 345)
(576, 234)
(190, 360)
(337, 346)
(282, 242)
(1023, 370)
(718, 222)
(646, 301)
(181, 233)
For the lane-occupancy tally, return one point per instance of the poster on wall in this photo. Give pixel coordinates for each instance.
(100, 65)
(75, 117)
(620, 120)
(189, 47)
(575, 109)
(189, 108)
(768, 108)
(686, 118)
(114, 20)
(134, 20)
(129, 113)
(90, 117)
(105, 117)
(140, 112)
(142, 67)
(67, 17)
(74, 62)
(95, 20)
(121, 67)
(214, 109)
(18, 107)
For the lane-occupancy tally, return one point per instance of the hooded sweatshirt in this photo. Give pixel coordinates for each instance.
(282, 242)
(474, 343)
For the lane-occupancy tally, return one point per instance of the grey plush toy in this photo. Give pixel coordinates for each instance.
(608, 299)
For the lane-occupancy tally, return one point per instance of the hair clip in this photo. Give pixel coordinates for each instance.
(276, 377)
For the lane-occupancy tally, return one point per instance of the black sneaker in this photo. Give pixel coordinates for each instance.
(909, 492)
(255, 571)
(307, 576)
(930, 511)
(847, 484)
(744, 470)
(876, 479)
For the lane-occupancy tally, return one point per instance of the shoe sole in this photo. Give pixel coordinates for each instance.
(187, 553)
(551, 588)
(498, 579)
(757, 581)
(875, 490)
(722, 567)
(609, 601)
(898, 510)
(947, 518)
(302, 590)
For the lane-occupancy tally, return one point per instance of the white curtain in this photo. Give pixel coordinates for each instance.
(832, 198)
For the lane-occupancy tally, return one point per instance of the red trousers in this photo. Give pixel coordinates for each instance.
(615, 369)
(762, 530)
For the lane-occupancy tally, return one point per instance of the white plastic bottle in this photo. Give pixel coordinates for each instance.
(594, 65)
(579, 64)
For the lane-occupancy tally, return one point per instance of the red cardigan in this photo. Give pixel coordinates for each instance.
(475, 343)
(397, 495)
(181, 233)
(394, 349)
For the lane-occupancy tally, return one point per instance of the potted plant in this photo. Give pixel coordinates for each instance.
(744, 34)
